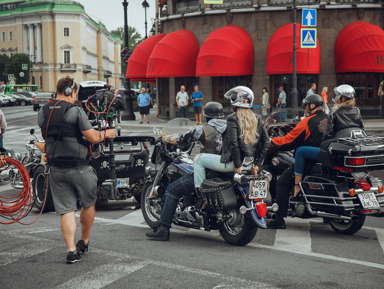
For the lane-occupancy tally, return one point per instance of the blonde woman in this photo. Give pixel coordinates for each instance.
(324, 96)
(345, 117)
(246, 136)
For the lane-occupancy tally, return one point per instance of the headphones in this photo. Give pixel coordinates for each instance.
(69, 89)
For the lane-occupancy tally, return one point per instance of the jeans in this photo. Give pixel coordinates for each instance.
(182, 186)
(209, 161)
(282, 113)
(183, 111)
(305, 153)
(1, 141)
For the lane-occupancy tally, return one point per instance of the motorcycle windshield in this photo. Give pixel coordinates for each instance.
(177, 125)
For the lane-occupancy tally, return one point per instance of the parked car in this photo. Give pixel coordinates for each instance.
(3, 101)
(11, 100)
(41, 98)
(22, 99)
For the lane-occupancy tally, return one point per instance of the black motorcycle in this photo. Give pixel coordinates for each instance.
(232, 204)
(340, 187)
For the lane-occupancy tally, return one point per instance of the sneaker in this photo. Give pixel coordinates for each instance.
(73, 257)
(141, 122)
(82, 247)
(277, 224)
(159, 234)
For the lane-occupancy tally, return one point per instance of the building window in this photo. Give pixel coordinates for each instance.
(66, 31)
(3, 36)
(67, 56)
(11, 54)
(10, 36)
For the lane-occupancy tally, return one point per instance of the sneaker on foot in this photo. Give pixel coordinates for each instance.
(160, 234)
(82, 247)
(73, 257)
(277, 224)
(141, 122)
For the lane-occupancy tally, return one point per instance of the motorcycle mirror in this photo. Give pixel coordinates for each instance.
(32, 131)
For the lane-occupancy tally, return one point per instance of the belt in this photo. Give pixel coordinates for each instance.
(69, 163)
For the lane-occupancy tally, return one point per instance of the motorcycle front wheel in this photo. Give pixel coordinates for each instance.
(239, 230)
(150, 206)
(347, 227)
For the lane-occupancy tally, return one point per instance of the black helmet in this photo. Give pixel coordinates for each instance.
(213, 110)
(313, 99)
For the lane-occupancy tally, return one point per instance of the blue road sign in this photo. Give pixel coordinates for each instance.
(309, 17)
(308, 38)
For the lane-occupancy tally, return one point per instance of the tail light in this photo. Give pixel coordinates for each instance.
(343, 169)
(261, 209)
(35, 100)
(362, 184)
(355, 161)
(49, 100)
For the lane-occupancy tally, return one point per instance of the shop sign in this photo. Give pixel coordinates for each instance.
(233, 4)
(213, 1)
(187, 7)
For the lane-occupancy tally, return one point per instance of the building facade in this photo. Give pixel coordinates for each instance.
(269, 26)
(61, 39)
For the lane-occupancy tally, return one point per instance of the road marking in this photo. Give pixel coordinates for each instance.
(103, 275)
(296, 239)
(23, 252)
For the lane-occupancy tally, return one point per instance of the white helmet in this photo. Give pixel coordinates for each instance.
(240, 96)
(344, 90)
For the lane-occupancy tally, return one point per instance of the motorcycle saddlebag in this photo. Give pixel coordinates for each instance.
(222, 190)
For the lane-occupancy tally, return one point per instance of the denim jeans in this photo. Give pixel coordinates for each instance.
(1, 141)
(302, 154)
(183, 111)
(209, 161)
(282, 113)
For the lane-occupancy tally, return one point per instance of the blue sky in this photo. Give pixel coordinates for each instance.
(111, 13)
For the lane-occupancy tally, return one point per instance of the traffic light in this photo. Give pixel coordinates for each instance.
(125, 54)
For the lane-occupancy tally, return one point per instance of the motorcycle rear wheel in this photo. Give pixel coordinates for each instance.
(150, 207)
(239, 230)
(347, 227)
(39, 186)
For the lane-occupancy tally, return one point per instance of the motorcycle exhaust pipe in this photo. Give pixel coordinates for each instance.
(271, 216)
(333, 216)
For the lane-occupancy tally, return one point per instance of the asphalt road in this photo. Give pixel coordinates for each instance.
(309, 254)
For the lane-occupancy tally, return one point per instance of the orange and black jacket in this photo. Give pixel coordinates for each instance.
(308, 132)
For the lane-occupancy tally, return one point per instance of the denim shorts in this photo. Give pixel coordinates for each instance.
(71, 183)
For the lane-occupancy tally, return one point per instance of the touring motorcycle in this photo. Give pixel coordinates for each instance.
(339, 188)
(231, 203)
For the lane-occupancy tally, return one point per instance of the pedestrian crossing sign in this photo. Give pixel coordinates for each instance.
(308, 38)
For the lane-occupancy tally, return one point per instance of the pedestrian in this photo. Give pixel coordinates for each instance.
(281, 104)
(196, 98)
(380, 92)
(3, 127)
(182, 102)
(265, 102)
(144, 101)
(324, 96)
(63, 126)
(312, 89)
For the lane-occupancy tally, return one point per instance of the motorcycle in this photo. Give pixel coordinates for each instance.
(340, 187)
(233, 204)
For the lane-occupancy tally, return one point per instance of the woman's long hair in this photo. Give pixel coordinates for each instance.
(248, 125)
(348, 103)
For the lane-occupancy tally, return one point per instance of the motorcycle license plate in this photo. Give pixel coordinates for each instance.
(369, 201)
(259, 190)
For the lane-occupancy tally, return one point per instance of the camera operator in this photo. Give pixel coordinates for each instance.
(63, 125)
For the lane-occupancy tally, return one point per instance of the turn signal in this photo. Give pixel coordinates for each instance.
(352, 192)
(380, 189)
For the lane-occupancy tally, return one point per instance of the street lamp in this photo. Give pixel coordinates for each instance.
(128, 113)
(145, 6)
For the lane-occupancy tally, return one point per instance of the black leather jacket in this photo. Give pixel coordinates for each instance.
(234, 149)
(343, 120)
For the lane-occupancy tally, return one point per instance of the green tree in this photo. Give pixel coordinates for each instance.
(15, 67)
(4, 63)
(134, 37)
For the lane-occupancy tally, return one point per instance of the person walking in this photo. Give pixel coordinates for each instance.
(3, 127)
(144, 101)
(380, 92)
(182, 102)
(196, 98)
(281, 104)
(265, 102)
(63, 126)
(324, 96)
(312, 89)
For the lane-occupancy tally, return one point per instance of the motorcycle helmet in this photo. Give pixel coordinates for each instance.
(240, 96)
(313, 99)
(344, 90)
(213, 110)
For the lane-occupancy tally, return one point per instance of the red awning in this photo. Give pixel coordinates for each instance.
(137, 63)
(280, 53)
(174, 56)
(359, 48)
(227, 51)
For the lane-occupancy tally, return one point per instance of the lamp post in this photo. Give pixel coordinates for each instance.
(294, 76)
(128, 112)
(145, 6)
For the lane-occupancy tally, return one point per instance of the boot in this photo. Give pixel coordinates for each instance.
(160, 234)
(279, 223)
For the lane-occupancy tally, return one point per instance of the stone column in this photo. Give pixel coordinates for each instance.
(172, 97)
(31, 43)
(25, 39)
(38, 43)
